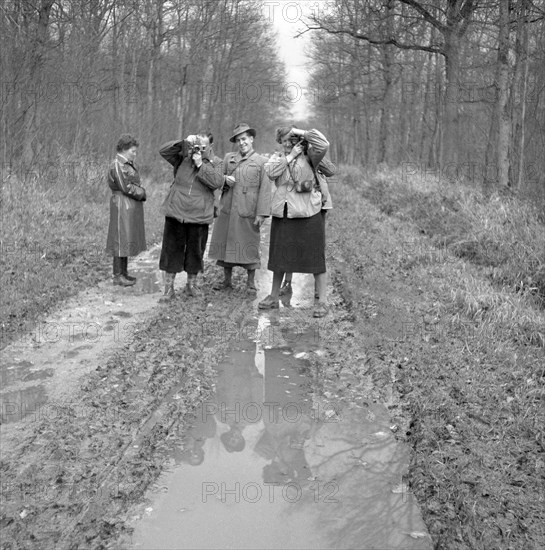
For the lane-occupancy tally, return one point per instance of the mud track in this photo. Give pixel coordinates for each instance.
(79, 454)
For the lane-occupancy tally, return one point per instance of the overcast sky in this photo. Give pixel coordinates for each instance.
(285, 16)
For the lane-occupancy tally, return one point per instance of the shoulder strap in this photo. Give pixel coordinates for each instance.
(238, 163)
(316, 180)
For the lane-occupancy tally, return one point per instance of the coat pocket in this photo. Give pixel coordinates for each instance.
(247, 201)
(250, 174)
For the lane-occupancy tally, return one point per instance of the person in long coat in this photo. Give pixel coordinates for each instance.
(126, 231)
(245, 203)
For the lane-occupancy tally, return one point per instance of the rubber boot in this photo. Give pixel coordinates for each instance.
(226, 284)
(189, 287)
(119, 278)
(250, 283)
(124, 268)
(169, 293)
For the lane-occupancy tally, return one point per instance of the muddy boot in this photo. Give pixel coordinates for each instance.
(124, 268)
(119, 278)
(169, 293)
(250, 283)
(189, 287)
(226, 284)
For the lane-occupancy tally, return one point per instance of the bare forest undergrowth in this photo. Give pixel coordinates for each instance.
(453, 350)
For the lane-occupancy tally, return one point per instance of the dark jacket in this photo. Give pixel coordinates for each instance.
(191, 195)
(126, 231)
(123, 176)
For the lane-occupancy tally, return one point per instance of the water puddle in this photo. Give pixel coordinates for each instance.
(16, 406)
(147, 282)
(67, 344)
(270, 463)
(21, 371)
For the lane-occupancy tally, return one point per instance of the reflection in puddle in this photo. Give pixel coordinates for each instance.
(17, 405)
(76, 351)
(270, 464)
(22, 372)
(124, 314)
(63, 339)
(148, 281)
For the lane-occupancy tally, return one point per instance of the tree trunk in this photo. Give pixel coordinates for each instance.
(34, 82)
(387, 96)
(520, 85)
(504, 124)
(449, 154)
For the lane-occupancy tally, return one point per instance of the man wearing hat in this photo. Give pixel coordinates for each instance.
(245, 203)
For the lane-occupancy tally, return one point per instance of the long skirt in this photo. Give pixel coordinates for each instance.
(298, 244)
(126, 231)
(183, 246)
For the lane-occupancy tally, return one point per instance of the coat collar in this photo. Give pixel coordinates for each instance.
(124, 160)
(237, 157)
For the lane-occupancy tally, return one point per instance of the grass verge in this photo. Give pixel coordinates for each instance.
(502, 234)
(464, 353)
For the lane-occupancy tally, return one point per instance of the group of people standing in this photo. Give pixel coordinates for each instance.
(297, 205)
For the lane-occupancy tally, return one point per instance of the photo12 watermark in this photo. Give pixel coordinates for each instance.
(252, 492)
(14, 408)
(471, 172)
(485, 92)
(300, 11)
(52, 332)
(50, 172)
(276, 93)
(70, 93)
(273, 412)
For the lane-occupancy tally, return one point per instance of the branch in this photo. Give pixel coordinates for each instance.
(425, 14)
(376, 41)
(465, 14)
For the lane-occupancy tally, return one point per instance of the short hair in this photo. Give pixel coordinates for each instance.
(126, 141)
(207, 135)
(281, 132)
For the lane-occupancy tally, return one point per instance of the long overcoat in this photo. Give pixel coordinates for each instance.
(126, 231)
(235, 237)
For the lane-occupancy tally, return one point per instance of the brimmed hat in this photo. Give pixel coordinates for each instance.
(240, 128)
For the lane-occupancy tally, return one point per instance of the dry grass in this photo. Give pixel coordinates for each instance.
(503, 234)
(470, 371)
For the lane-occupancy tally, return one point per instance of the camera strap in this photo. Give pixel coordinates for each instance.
(226, 187)
(316, 182)
(237, 164)
(292, 178)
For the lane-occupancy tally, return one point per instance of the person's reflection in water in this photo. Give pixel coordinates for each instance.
(287, 425)
(192, 451)
(233, 440)
(239, 393)
(288, 458)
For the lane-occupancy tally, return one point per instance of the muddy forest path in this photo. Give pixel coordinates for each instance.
(122, 418)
